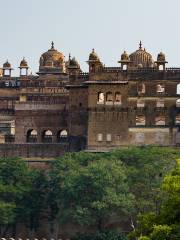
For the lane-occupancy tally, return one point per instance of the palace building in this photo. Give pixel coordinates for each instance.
(62, 108)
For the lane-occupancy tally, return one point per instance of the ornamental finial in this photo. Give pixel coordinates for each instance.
(140, 45)
(52, 45)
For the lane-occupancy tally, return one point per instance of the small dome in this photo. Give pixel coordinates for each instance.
(73, 62)
(7, 65)
(161, 57)
(93, 56)
(125, 56)
(24, 63)
(142, 57)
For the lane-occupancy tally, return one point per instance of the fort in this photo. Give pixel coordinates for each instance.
(62, 108)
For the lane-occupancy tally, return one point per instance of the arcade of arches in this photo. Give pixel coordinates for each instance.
(47, 136)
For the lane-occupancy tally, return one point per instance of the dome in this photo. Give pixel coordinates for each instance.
(73, 62)
(93, 56)
(7, 65)
(125, 56)
(23, 63)
(72, 65)
(52, 59)
(161, 57)
(142, 57)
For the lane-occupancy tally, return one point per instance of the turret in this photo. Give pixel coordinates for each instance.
(23, 67)
(94, 62)
(73, 66)
(125, 60)
(7, 69)
(161, 61)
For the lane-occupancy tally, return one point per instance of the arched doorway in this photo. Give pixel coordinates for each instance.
(62, 136)
(31, 136)
(47, 136)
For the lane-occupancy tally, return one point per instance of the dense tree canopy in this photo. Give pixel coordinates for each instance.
(19, 200)
(90, 189)
(146, 168)
(164, 225)
(137, 186)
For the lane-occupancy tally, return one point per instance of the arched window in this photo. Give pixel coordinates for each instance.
(47, 136)
(140, 102)
(140, 120)
(109, 98)
(100, 98)
(160, 102)
(161, 67)
(160, 89)
(62, 136)
(160, 121)
(32, 136)
(141, 88)
(117, 98)
(178, 103)
(178, 89)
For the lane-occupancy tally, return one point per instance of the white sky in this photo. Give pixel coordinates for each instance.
(77, 26)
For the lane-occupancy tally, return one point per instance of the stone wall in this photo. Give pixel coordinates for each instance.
(31, 150)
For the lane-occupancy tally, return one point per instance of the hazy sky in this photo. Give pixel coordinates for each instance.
(77, 26)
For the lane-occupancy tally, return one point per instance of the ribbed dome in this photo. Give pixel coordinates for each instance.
(7, 65)
(52, 58)
(93, 56)
(142, 57)
(24, 63)
(125, 56)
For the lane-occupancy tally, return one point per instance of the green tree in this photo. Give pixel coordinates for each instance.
(146, 167)
(7, 213)
(14, 184)
(164, 225)
(90, 189)
(171, 205)
(21, 200)
(34, 205)
(161, 232)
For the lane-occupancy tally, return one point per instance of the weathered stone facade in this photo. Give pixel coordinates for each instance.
(64, 109)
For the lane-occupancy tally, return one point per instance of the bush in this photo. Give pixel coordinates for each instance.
(161, 232)
(144, 238)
